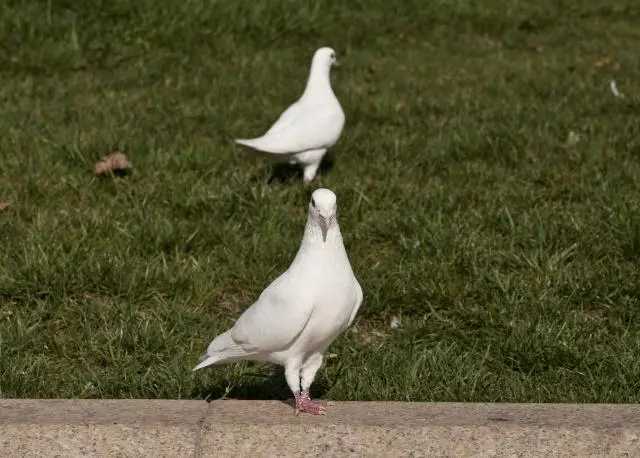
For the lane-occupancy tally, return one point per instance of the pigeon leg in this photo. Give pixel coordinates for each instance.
(307, 374)
(309, 172)
(292, 371)
(310, 161)
(292, 375)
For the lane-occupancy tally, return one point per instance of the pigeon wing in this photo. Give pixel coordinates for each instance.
(359, 296)
(275, 320)
(285, 118)
(302, 128)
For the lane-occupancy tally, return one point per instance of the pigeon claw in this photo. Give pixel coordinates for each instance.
(305, 404)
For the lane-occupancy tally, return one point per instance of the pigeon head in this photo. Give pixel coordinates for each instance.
(318, 83)
(323, 210)
(326, 57)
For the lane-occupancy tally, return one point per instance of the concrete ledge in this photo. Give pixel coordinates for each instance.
(269, 428)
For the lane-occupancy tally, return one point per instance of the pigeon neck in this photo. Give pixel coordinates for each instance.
(319, 80)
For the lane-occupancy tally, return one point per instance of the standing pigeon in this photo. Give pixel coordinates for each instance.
(304, 132)
(302, 311)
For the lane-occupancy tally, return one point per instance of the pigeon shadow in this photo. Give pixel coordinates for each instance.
(258, 387)
(286, 173)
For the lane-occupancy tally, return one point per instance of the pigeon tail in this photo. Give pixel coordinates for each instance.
(268, 144)
(250, 142)
(223, 350)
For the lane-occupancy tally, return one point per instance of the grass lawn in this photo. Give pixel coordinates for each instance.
(507, 246)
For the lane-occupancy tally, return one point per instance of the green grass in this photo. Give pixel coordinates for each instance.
(510, 255)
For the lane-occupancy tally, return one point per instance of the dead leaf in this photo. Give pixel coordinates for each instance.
(369, 334)
(538, 48)
(602, 62)
(116, 162)
(4, 205)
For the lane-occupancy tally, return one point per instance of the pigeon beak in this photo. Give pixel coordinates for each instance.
(325, 223)
(336, 63)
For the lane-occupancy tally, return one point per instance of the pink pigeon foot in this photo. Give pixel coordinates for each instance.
(305, 404)
(307, 396)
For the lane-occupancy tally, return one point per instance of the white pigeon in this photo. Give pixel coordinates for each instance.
(304, 131)
(302, 311)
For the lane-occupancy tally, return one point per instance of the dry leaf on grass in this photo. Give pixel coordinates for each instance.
(602, 62)
(116, 163)
(4, 205)
(369, 334)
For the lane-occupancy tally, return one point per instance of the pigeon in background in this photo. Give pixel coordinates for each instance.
(302, 311)
(313, 124)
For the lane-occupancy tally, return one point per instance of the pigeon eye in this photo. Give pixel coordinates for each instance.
(313, 203)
